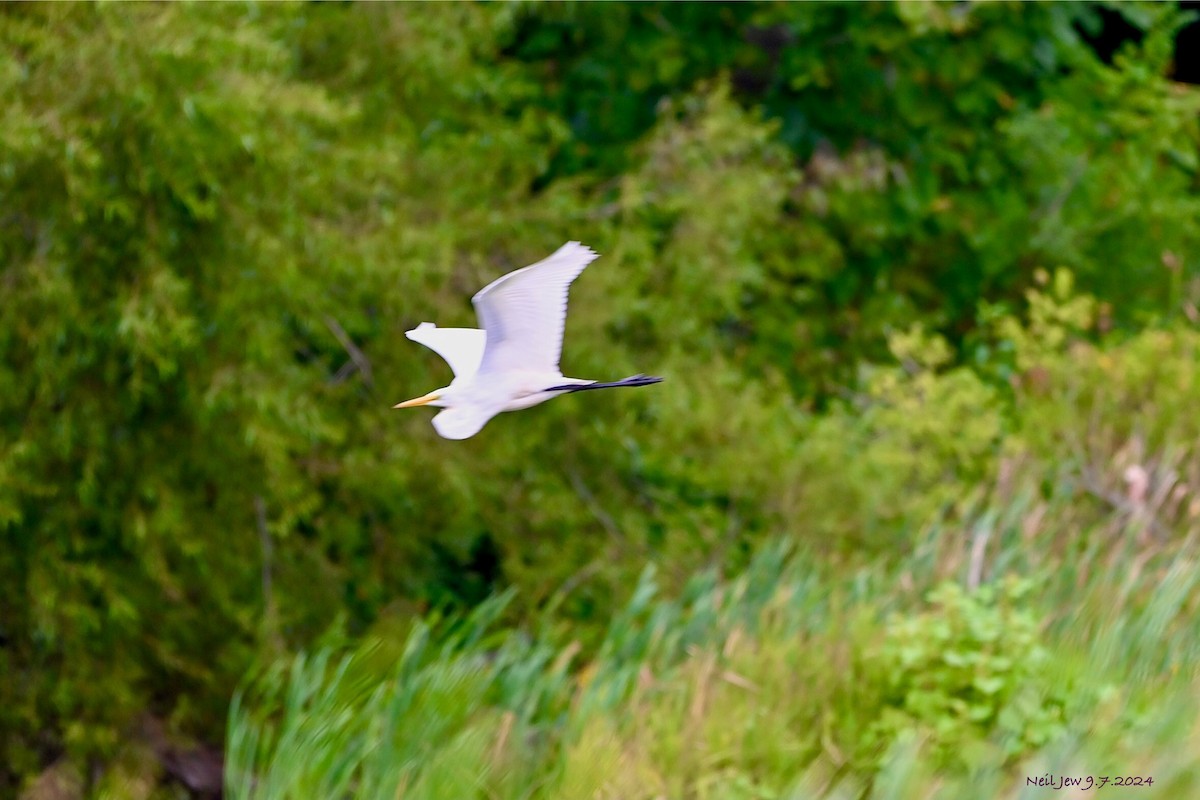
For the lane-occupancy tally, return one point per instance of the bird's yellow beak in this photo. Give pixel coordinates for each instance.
(418, 401)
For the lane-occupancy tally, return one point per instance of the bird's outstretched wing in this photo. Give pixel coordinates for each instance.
(462, 348)
(524, 312)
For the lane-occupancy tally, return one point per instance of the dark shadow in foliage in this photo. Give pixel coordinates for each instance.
(462, 581)
(1107, 30)
(1187, 47)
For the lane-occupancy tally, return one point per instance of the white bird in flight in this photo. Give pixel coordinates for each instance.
(512, 363)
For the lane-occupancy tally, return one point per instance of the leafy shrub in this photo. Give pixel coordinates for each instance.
(924, 438)
(967, 669)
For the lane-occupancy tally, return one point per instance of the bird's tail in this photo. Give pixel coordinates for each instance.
(636, 380)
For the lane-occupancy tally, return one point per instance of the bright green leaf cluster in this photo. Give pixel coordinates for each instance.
(966, 669)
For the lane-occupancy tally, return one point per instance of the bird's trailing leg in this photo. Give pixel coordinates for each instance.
(636, 380)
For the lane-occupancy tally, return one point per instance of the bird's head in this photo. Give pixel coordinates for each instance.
(438, 398)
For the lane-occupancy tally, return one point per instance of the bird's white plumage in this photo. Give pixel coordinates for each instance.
(512, 363)
(461, 348)
(462, 422)
(524, 312)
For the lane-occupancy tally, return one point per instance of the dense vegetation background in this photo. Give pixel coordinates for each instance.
(923, 282)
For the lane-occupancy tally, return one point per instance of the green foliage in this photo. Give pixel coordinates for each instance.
(780, 683)
(965, 670)
(922, 440)
(945, 154)
(794, 680)
(820, 221)
(412, 730)
(131, 159)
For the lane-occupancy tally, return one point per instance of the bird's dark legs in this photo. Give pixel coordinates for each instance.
(636, 380)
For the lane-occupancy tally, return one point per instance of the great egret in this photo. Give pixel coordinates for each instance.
(512, 363)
